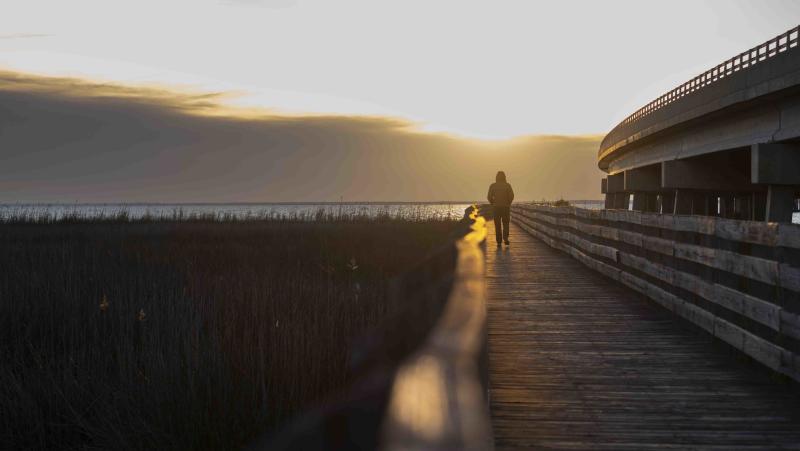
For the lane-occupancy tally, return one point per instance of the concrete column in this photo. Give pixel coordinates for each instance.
(700, 203)
(639, 201)
(667, 202)
(775, 164)
(622, 201)
(683, 202)
(780, 203)
(759, 206)
(652, 203)
(742, 208)
(609, 201)
(727, 208)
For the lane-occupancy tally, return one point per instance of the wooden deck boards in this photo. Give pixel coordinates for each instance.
(579, 361)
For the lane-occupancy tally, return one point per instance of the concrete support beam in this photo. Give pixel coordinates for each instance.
(615, 183)
(775, 164)
(646, 178)
(780, 203)
(704, 174)
(604, 186)
(609, 201)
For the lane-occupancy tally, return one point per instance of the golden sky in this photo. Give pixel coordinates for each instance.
(489, 69)
(366, 100)
(66, 140)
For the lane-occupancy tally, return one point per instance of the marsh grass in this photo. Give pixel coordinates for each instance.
(186, 333)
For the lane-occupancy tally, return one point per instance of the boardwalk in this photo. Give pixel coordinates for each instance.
(577, 361)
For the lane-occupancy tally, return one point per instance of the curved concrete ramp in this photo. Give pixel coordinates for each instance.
(578, 361)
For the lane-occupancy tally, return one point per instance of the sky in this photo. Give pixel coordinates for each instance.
(68, 140)
(487, 69)
(293, 100)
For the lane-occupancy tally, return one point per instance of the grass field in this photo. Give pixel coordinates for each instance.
(192, 334)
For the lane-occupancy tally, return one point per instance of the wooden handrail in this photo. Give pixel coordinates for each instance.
(434, 396)
(438, 400)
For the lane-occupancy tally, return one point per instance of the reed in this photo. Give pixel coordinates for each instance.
(186, 333)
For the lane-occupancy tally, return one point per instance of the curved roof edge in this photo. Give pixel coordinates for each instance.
(761, 70)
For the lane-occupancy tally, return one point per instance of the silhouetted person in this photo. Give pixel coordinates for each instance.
(500, 196)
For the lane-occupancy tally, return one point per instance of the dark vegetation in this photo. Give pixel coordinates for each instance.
(192, 334)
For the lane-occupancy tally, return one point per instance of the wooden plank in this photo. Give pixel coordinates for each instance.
(585, 213)
(790, 324)
(696, 315)
(789, 235)
(612, 215)
(666, 222)
(696, 224)
(751, 307)
(563, 221)
(696, 285)
(650, 219)
(698, 254)
(747, 266)
(633, 238)
(664, 298)
(633, 282)
(747, 231)
(790, 364)
(789, 277)
(630, 216)
(656, 270)
(729, 333)
(609, 233)
(659, 245)
(589, 229)
(763, 351)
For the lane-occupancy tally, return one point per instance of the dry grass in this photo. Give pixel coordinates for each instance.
(200, 334)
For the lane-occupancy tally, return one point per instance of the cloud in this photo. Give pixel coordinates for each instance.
(24, 35)
(66, 139)
(277, 4)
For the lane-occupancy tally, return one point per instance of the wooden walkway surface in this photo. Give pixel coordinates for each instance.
(579, 361)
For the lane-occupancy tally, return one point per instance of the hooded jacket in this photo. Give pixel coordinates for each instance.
(500, 192)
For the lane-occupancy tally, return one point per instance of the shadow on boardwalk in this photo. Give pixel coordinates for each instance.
(578, 361)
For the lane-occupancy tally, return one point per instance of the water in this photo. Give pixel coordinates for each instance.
(241, 211)
(588, 204)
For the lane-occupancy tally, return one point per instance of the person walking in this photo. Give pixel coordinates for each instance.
(500, 196)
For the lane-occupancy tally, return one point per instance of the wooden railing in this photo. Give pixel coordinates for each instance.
(737, 280)
(439, 395)
(422, 378)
